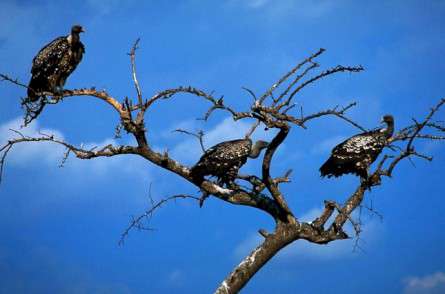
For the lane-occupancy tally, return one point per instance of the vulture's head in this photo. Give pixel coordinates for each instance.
(388, 119)
(77, 29)
(257, 147)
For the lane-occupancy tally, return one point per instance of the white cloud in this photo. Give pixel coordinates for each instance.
(228, 129)
(254, 4)
(326, 145)
(247, 245)
(371, 229)
(106, 6)
(189, 149)
(26, 153)
(102, 166)
(257, 3)
(311, 214)
(430, 284)
(302, 248)
(176, 277)
(276, 10)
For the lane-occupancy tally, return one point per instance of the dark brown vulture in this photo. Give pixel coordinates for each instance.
(54, 63)
(225, 159)
(357, 153)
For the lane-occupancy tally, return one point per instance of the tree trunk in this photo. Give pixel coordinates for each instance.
(273, 243)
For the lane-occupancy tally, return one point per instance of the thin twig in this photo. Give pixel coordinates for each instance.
(136, 222)
(199, 136)
(338, 68)
(290, 73)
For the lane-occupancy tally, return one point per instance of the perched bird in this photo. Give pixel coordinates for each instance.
(54, 63)
(357, 153)
(225, 159)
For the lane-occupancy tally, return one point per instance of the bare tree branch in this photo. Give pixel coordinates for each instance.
(290, 73)
(295, 81)
(262, 193)
(266, 177)
(137, 222)
(408, 150)
(16, 81)
(133, 71)
(106, 151)
(338, 68)
(199, 135)
(329, 207)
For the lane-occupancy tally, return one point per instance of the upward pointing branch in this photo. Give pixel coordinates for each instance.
(133, 70)
(290, 73)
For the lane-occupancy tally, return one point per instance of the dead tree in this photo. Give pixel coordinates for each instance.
(262, 191)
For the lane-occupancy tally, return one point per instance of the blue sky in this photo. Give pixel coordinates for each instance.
(60, 226)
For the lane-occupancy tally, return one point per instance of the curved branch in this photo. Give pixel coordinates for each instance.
(268, 180)
(76, 92)
(338, 113)
(102, 95)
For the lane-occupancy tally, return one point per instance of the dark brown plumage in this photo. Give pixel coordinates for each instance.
(225, 159)
(357, 153)
(54, 63)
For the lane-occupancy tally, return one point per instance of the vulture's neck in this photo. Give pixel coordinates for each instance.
(256, 150)
(73, 39)
(389, 130)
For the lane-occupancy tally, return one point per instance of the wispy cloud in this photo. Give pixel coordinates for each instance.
(429, 284)
(283, 8)
(176, 278)
(257, 3)
(23, 154)
(189, 149)
(106, 6)
(247, 245)
(326, 145)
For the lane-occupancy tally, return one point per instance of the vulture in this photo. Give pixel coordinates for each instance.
(225, 159)
(356, 154)
(54, 63)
